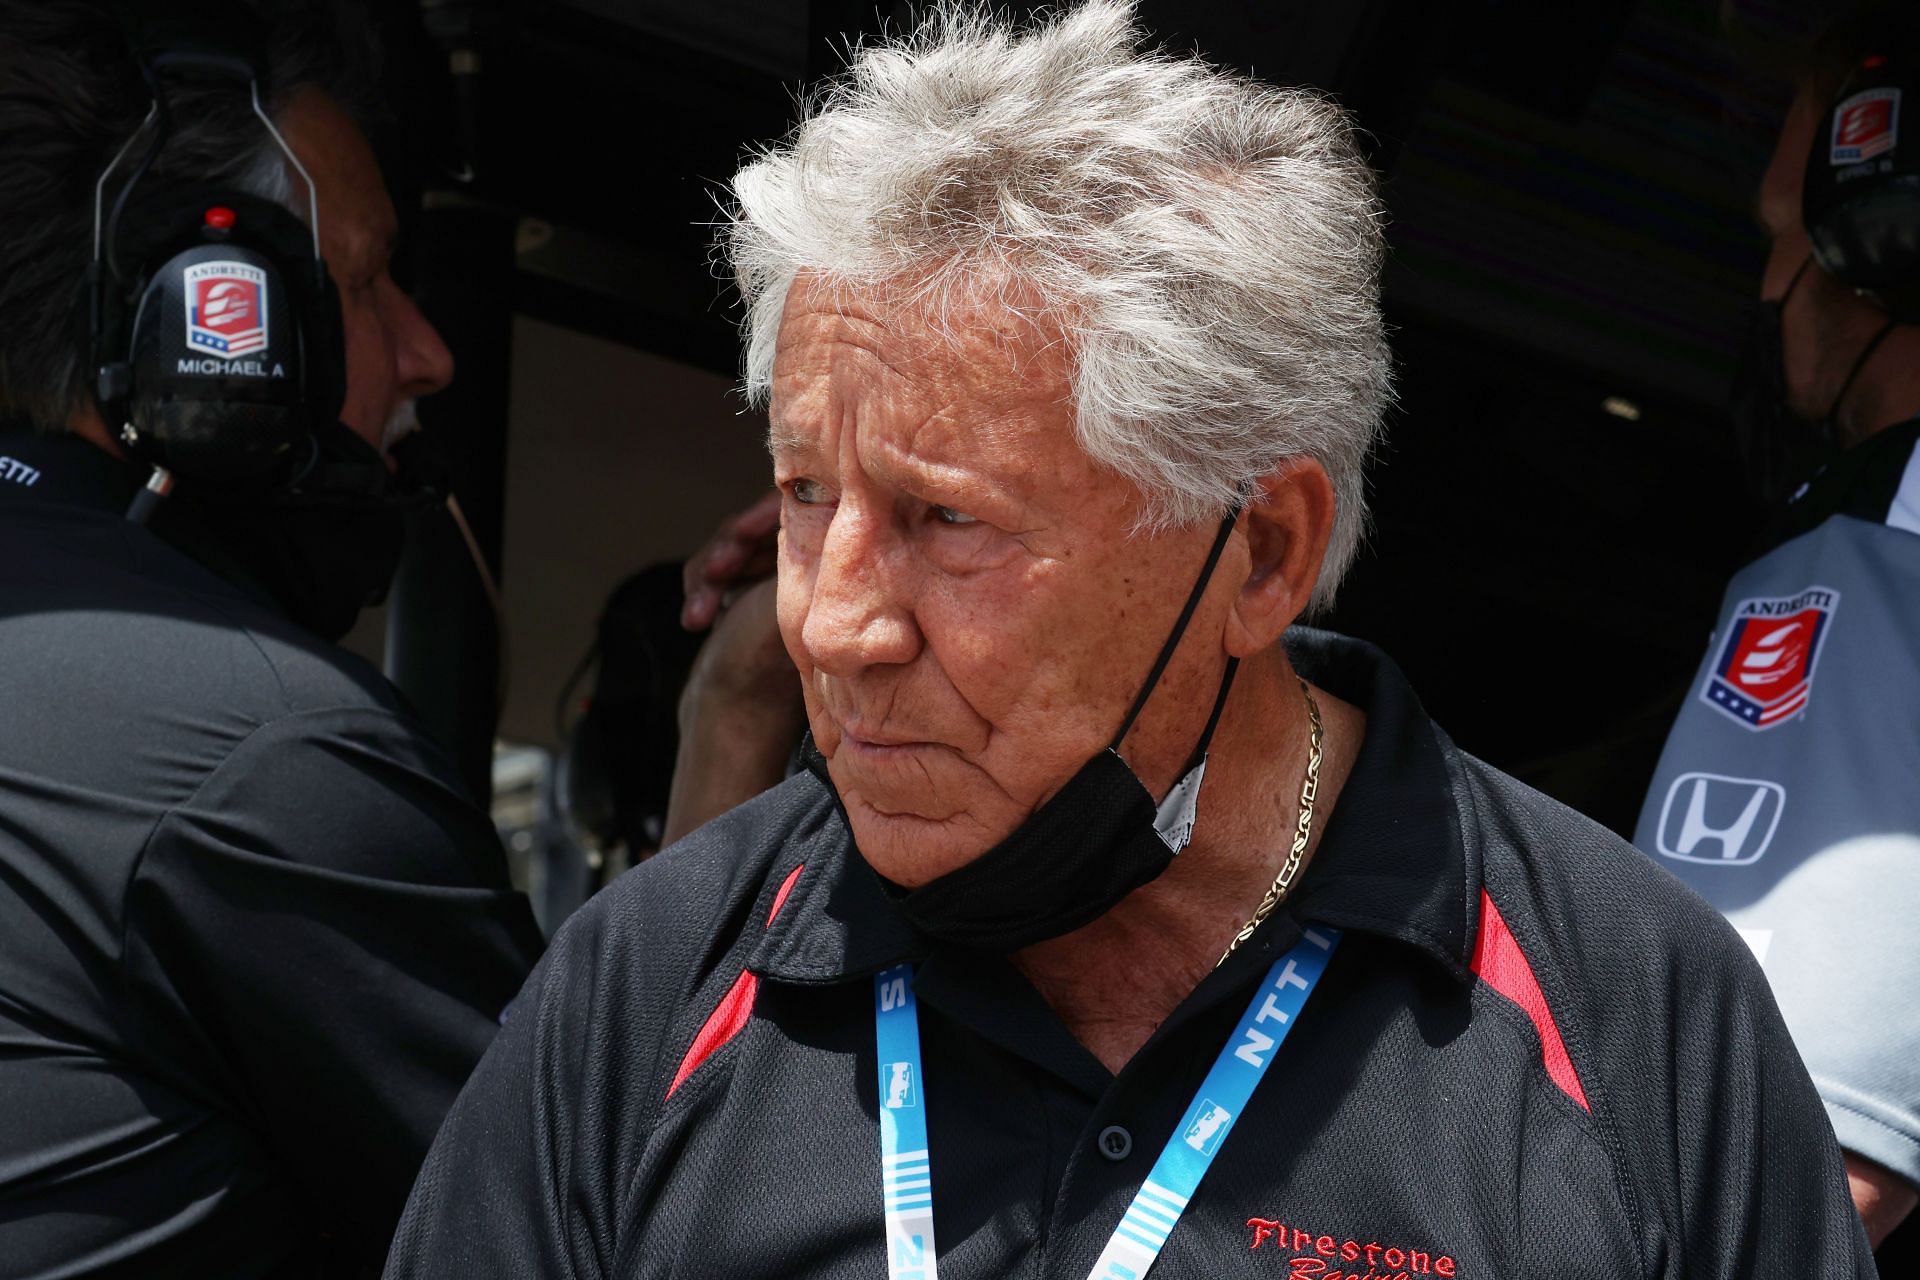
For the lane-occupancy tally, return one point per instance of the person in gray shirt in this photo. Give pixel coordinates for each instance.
(1788, 794)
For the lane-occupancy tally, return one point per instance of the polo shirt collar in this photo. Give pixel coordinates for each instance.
(1393, 861)
(63, 470)
(55, 467)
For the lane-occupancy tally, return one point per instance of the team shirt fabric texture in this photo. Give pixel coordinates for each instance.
(688, 1085)
(253, 932)
(1805, 833)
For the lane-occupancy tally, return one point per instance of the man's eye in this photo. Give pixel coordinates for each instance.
(947, 515)
(808, 492)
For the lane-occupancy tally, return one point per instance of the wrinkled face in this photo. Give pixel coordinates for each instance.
(1824, 326)
(393, 354)
(958, 585)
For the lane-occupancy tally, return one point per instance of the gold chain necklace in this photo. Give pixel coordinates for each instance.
(1303, 831)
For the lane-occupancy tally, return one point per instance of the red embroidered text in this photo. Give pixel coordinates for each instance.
(1325, 1257)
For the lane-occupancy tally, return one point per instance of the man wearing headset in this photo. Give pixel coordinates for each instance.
(1789, 791)
(253, 931)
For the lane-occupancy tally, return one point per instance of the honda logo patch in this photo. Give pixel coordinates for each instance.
(1762, 674)
(1864, 126)
(226, 308)
(1721, 821)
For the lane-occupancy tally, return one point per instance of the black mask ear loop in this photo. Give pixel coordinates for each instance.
(1831, 421)
(1173, 642)
(1794, 283)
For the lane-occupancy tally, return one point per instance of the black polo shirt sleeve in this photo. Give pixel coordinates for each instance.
(509, 1188)
(1757, 1187)
(533, 1171)
(320, 918)
(1727, 1160)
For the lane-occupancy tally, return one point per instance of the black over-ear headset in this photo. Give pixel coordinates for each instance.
(1861, 195)
(214, 332)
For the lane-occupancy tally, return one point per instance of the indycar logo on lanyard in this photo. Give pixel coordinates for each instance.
(1762, 671)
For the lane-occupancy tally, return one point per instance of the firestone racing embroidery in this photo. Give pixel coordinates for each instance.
(1327, 1257)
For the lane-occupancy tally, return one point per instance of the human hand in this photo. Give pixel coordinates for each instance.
(740, 716)
(744, 663)
(741, 552)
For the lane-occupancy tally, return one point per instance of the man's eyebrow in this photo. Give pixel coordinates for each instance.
(780, 440)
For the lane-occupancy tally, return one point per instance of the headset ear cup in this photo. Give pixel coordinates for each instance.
(216, 391)
(230, 399)
(1860, 199)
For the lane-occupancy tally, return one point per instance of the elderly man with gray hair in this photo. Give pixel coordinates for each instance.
(1114, 926)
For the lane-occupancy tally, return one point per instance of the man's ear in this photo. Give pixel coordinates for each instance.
(1286, 525)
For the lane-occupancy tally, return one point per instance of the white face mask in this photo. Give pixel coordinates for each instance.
(1175, 818)
(401, 423)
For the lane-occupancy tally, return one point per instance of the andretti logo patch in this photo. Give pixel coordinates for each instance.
(1762, 674)
(1864, 126)
(226, 308)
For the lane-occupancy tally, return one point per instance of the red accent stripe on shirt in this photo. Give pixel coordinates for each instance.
(722, 1025)
(1500, 963)
(786, 887)
(730, 1016)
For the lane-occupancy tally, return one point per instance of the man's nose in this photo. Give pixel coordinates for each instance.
(860, 614)
(422, 361)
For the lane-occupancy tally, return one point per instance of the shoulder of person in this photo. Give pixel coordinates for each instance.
(152, 616)
(638, 966)
(701, 898)
(1600, 911)
(1663, 1007)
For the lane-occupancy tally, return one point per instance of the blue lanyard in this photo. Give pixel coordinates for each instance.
(906, 1171)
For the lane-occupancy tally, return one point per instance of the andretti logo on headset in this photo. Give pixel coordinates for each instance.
(226, 308)
(1864, 126)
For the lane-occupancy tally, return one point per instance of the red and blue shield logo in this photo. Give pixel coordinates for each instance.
(1864, 126)
(1762, 674)
(226, 308)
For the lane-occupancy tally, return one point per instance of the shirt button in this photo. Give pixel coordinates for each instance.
(1115, 1143)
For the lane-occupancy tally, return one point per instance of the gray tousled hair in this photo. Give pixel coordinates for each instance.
(1210, 245)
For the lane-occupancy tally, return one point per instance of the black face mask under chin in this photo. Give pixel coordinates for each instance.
(1779, 449)
(321, 564)
(1095, 841)
(323, 554)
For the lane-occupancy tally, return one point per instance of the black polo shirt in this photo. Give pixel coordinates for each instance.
(253, 932)
(1586, 1079)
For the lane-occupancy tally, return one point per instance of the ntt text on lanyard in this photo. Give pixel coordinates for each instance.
(906, 1168)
